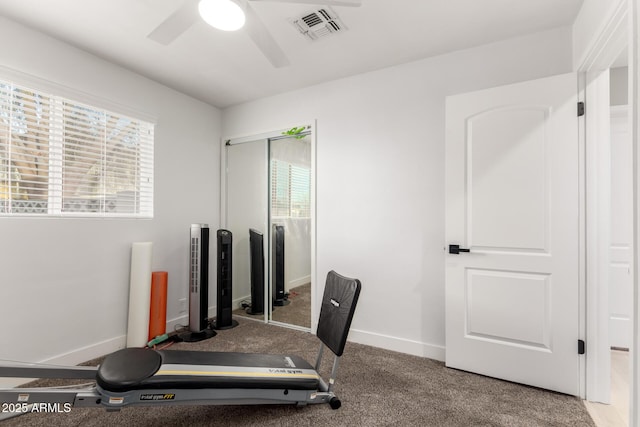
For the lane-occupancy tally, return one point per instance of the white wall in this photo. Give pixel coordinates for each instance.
(380, 176)
(64, 282)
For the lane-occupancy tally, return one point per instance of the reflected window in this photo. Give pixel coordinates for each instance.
(290, 190)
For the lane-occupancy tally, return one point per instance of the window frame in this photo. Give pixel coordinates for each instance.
(143, 208)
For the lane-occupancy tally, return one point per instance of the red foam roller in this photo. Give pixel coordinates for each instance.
(158, 311)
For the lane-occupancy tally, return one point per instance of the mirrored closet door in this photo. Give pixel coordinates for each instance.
(246, 210)
(290, 226)
(268, 207)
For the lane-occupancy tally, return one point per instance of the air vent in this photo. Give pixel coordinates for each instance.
(319, 23)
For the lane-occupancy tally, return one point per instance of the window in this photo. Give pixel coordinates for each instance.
(60, 157)
(290, 190)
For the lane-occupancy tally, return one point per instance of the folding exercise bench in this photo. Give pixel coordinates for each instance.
(140, 376)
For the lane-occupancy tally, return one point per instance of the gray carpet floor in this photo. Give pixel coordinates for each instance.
(377, 388)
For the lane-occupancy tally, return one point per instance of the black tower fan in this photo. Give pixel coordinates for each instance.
(224, 301)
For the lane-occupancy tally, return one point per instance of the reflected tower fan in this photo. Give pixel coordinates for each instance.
(280, 298)
(199, 327)
(256, 255)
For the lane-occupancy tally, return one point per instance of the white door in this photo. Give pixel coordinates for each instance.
(620, 253)
(512, 199)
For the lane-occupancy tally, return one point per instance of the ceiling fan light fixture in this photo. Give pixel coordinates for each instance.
(224, 15)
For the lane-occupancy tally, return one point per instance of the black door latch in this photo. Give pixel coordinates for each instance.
(456, 249)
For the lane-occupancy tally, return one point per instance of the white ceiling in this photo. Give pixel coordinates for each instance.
(224, 69)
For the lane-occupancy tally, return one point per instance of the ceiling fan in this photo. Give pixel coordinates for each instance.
(186, 15)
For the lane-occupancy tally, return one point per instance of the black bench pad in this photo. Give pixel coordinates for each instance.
(137, 368)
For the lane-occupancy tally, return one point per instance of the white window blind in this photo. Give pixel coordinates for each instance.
(61, 157)
(290, 190)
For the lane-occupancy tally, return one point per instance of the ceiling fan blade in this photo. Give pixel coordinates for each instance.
(348, 3)
(260, 35)
(177, 23)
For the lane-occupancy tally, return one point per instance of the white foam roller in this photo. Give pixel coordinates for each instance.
(139, 294)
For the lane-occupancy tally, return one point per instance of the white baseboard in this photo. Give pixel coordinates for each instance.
(401, 345)
(183, 320)
(298, 282)
(237, 303)
(178, 322)
(89, 352)
(74, 357)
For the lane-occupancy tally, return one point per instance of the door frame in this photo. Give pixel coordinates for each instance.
(607, 44)
(634, 105)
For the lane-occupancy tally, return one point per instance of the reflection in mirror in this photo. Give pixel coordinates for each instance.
(246, 209)
(268, 190)
(290, 228)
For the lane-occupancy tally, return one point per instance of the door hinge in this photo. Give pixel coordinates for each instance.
(581, 347)
(580, 109)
